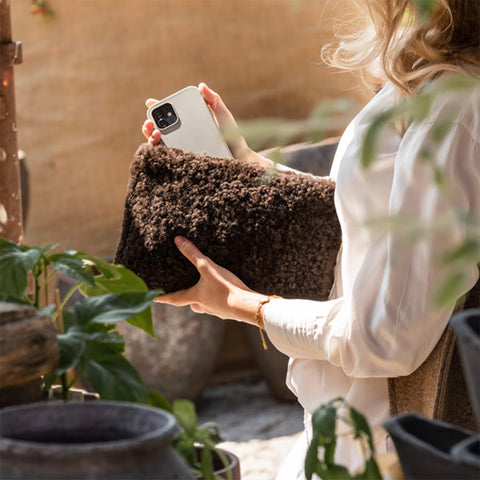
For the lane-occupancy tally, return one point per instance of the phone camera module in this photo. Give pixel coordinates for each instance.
(164, 116)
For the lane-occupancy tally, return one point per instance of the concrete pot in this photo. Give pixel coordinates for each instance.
(425, 448)
(271, 363)
(467, 327)
(92, 440)
(180, 361)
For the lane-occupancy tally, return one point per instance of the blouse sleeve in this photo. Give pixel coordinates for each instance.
(388, 323)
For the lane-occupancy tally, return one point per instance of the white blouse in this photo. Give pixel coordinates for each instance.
(381, 320)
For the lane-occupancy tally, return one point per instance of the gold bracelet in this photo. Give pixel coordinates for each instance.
(259, 320)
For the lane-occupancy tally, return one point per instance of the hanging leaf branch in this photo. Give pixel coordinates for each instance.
(41, 9)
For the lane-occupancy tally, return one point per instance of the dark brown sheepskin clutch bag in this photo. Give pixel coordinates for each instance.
(278, 232)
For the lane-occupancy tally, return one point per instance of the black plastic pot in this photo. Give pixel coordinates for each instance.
(425, 448)
(466, 325)
(91, 440)
(468, 452)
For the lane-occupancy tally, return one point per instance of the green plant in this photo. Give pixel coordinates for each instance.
(89, 344)
(330, 418)
(86, 332)
(195, 443)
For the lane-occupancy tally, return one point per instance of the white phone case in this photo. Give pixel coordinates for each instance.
(196, 130)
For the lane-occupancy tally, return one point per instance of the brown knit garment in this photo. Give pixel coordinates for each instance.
(437, 389)
(279, 233)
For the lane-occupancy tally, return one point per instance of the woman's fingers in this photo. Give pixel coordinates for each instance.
(178, 299)
(150, 101)
(222, 113)
(225, 121)
(191, 252)
(147, 128)
(151, 134)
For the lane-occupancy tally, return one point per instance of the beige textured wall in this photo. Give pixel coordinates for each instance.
(81, 90)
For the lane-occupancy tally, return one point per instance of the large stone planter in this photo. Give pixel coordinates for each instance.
(467, 327)
(94, 440)
(179, 362)
(426, 448)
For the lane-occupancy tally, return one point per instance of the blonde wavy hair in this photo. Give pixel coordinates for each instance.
(409, 48)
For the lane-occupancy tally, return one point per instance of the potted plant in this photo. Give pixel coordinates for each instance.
(90, 346)
(320, 458)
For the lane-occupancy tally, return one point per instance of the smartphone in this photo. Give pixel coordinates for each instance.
(186, 122)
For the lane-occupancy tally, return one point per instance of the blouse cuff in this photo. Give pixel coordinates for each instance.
(296, 327)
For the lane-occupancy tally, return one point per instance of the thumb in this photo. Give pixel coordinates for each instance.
(222, 113)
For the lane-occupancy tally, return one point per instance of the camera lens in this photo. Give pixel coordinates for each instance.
(165, 116)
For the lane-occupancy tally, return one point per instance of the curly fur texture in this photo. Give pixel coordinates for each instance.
(278, 232)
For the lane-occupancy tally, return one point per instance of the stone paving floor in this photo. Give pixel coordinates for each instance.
(255, 427)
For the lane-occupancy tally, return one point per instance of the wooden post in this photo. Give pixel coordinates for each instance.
(11, 223)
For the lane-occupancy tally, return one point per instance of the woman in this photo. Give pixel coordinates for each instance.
(381, 320)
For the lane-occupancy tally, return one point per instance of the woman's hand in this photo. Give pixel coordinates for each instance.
(225, 121)
(218, 292)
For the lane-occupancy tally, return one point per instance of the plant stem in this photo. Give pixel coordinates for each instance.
(48, 278)
(225, 462)
(63, 378)
(72, 383)
(59, 320)
(45, 284)
(36, 297)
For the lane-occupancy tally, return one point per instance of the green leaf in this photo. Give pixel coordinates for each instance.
(210, 433)
(48, 248)
(468, 251)
(425, 7)
(420, 106)
(72, 346)
(360, 425)
(112, 375)
(156, 399)
(311, 459)
(372, 471)
(323, 422)
(450, 290)
(111, 341)
(207, 464)
(336, 472)
(112, 308)
(118, 279)
(369, 145)
(47, 310)
(72, 267)
(329, 453)
(442, 126)
(185, 446)
(184, 411)
(16, 261)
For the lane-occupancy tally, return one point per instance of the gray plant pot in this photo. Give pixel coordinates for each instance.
(91, 440)
(425, 448)
(468, 452)
(466, 325)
